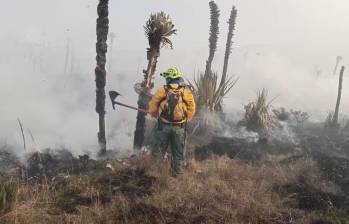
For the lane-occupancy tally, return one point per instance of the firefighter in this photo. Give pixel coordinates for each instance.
(174, 106)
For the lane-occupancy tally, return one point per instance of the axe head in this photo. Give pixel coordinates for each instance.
(113, 95)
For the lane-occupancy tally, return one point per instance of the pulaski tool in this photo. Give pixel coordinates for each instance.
(113, 95)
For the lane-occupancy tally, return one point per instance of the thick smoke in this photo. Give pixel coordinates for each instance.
(287, 47)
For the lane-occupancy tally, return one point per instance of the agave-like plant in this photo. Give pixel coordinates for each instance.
(158, 29)
(257, 114)
(208, 96)
(208, 92)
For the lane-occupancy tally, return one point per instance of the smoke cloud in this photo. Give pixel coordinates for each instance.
(288, 47)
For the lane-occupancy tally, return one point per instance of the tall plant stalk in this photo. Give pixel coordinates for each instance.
(158, 30)
(213, 38)
(338, 60)
(100, 72)
(340, 84)
(22, 132)
(228, 47)
(208, 90)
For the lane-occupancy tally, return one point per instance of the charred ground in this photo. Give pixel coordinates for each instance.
(228, 180)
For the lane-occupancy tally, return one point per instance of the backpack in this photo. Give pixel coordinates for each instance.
(173, 106)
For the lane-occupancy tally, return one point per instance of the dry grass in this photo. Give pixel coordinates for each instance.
(8, 193)
(217, 190)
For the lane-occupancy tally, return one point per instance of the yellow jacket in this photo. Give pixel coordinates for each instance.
(155, 106)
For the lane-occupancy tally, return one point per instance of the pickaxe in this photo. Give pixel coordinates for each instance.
(113, 95)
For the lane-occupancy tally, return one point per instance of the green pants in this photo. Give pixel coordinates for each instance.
(173, 136)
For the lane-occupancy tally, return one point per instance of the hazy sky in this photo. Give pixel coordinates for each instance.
(279, 44)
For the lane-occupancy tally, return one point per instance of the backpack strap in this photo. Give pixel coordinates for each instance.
(166, 87)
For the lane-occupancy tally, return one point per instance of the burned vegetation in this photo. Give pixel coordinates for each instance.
(246, 183)
(272, 166)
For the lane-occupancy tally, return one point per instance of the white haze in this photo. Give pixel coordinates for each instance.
(279, 45)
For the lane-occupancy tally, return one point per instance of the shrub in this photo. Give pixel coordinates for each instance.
(257, 113)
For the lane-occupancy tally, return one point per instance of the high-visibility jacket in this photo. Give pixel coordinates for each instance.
(156, 104)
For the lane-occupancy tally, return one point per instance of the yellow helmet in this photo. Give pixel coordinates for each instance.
(172, 73)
